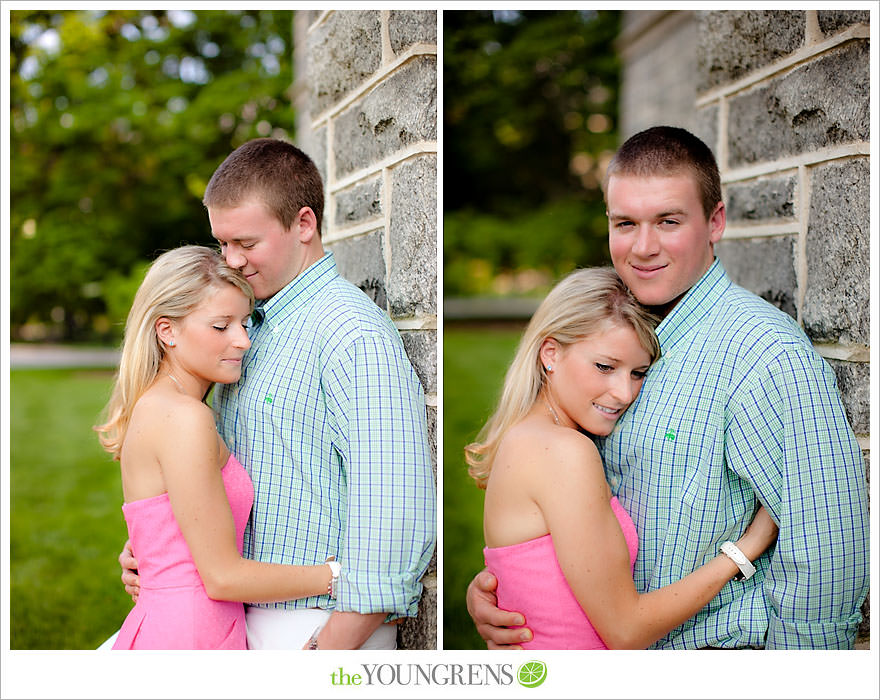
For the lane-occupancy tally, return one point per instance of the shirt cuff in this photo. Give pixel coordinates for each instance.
(789, 634)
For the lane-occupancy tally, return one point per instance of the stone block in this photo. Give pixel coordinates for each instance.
(421, 346)
(432, 437)
(421, 632)
(765, 266)
(360, 202)
(659, 78)
(408, 27)
(833, 21)
(837, 299)
(853, 381)
(312, 16)
(412, 278)
(402, 110)
(362, 262)
(733, 43)
(765, 199)
(343, 51)
(706, 128)
(821, 103)
(314, 145)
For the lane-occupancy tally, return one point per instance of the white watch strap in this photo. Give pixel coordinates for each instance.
(335, 569)
(740, 559)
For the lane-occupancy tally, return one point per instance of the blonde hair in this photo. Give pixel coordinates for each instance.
(583, 303)
(177, 282)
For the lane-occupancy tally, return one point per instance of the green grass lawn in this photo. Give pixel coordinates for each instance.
(474, 363)
(66, 524)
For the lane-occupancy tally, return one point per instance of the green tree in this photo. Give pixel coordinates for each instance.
(118, 120)
(530, 118)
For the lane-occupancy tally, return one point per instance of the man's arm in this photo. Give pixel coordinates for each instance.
(377, 412)
(492, 622)
(790, 439)
(129, 571)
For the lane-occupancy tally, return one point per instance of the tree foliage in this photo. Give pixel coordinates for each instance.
(118, 119)
(530, 118)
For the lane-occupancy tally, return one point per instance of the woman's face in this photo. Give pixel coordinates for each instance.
(593, 381)
(211, 341)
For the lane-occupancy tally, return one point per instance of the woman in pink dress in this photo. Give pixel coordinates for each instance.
(187, 499)
(561, 547)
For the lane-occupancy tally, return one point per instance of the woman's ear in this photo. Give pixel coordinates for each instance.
(165, 331)
(549, 353)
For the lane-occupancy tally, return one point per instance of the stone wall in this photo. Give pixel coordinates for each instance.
(365, 95)
(782, 98)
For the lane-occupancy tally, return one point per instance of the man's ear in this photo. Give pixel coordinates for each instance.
(306, 225)
(549, 352)
(717, 222)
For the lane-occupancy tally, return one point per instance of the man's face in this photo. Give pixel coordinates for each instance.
(661, 243)
(254, 241)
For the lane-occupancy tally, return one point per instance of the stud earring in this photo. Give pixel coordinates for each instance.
(171, 344)
(549, 368)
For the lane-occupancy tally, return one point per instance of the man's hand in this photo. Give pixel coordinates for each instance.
(129, 571)
(491, 621)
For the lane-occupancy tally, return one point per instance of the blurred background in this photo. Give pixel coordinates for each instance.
(530, 122)
(118, 120)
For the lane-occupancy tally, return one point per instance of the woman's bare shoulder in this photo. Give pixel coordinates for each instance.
(535, 442)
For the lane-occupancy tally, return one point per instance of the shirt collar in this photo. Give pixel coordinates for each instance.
(299, 290)
(694, 305)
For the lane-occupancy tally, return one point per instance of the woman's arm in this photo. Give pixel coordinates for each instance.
(593, 554)
(190, 454)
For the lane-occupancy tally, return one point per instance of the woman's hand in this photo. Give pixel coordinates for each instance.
(759, 535)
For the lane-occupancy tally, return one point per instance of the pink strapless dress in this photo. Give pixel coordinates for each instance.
(173, 611)
(530, 581)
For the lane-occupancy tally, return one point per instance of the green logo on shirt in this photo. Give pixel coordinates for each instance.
(268, 398)
(670, 435)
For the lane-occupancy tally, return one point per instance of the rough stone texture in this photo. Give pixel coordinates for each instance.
(832, 21)
(359, 202)
(764, 266)
(766, 199)
(853, 381)
(837, 300)
(864, 632)
(432, 439)
(421, 632)
(733, 43)
(821, 103)
(400, 111)
(315, 146)
(344, 50)
(413, 235)
(408, 27)
(360, 260)
(706, 128)
(421, 346)
(658, 81)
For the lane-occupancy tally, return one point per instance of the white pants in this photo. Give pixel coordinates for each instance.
(279, 628)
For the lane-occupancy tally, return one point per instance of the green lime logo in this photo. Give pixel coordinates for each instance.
(531, 674)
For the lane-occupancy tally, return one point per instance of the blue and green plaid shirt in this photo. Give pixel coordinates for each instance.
(741, 409)
(329, 420)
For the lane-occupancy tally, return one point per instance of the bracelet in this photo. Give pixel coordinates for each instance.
(746, 568)
(335, 569)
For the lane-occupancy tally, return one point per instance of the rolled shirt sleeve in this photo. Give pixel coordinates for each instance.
(376, 410)
(789, 438)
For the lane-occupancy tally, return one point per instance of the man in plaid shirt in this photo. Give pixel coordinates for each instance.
(739, 410)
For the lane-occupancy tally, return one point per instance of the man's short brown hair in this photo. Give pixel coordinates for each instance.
(276, 173)
(668, 150)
